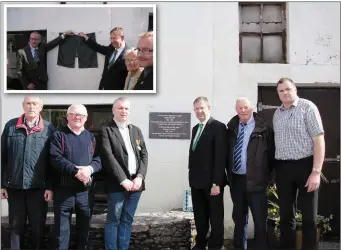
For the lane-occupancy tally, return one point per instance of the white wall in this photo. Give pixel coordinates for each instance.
(87, 19)
(198, 54)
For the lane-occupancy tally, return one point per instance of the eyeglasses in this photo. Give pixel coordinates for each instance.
(144, 50)
(35, 39)
(76, 115)
(131, 60)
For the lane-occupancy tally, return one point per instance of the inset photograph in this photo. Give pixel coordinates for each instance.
(80, 48)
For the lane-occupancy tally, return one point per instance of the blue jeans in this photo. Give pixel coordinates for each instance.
(121, 210)
(64, 201)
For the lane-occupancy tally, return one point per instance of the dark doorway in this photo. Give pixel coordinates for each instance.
(328, 102)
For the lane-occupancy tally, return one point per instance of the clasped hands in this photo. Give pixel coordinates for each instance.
(133, 185)
(84, 174)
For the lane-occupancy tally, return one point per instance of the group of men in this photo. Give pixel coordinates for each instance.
(32, 65)
(247, 154)
(39, 163)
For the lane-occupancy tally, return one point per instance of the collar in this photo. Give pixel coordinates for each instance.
(121, 124)
(32, 49)
(38, 125)
(204, 122)
(248, 122)
(294, 104)
(121, 48)
(77, 133)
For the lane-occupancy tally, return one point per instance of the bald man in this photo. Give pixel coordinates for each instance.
(249, 167)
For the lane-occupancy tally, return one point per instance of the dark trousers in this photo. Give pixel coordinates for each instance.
(23, 204)
(291, 176)
(208, 210)
(64, 201)
(243, 199)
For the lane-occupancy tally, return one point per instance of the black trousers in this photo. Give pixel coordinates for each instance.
(208, 210)
(73, 46)
(243, 199)
(291, 177)
(23, 204)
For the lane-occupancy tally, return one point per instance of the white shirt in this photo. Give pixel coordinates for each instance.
(204, 123)
(124, 130)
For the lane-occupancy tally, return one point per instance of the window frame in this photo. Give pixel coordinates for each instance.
(283, 34)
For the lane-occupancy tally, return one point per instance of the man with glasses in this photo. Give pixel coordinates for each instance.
(145, 57)
(73, 158)
(115, 70)
(31, 61)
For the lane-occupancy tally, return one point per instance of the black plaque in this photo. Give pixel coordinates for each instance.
(169, 125)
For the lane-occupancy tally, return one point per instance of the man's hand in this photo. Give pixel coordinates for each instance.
(31, 86)
(313, 182)
(215, 190)
(48, 195)
(4, 194)
(68, 33)
(137, 182)
(82, 34)
(83, 174)
(128, 185)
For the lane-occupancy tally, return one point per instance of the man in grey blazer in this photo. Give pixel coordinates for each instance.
(31, 61)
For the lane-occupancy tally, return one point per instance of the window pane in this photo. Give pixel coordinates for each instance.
(272, 27)
(56, 117)
(272, 13)
(272, 49)
(250, 49)
(250, 13)
(100, 118)
(250, 27)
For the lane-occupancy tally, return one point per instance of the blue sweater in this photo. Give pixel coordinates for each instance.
(69, 150)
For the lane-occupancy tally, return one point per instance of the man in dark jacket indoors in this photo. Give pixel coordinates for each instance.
(249, 167)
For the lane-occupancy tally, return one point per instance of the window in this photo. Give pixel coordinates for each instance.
(262, 32)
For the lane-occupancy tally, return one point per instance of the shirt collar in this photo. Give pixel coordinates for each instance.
(121, 124)
(204, 122)
(294, 104)
(77, 133)
(248, 122)
(36, 122)
(122, 47)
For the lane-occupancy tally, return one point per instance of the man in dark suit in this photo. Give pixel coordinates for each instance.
(207, 178)
(145, 57)
(115, 70)
(31, 61)
(124, 158)
(250, 163)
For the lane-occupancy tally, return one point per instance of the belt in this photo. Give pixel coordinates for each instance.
(297, 161)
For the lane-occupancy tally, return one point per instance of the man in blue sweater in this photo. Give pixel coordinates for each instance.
(73, 157)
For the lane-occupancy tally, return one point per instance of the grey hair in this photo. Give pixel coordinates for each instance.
(132, 50)
(244, 99)
(201, 99)
(77, 106)
(123, 99)
(36, 97)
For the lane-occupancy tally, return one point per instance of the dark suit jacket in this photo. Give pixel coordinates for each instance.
(145, 82)
(114, 156)
(113, 78)
(31, 72)
(207, 163)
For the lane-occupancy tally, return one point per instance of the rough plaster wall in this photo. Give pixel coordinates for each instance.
(316, 40)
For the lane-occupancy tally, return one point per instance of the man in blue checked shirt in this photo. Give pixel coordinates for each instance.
(249, 166)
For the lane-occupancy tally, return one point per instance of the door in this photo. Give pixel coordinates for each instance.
(328, 102)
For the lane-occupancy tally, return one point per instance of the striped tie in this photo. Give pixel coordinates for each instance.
(198, 137)
(112, 58)
(237, 164)
(36, 56)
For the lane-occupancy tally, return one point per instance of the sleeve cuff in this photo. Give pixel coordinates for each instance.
(62, 36)
(92, 169)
